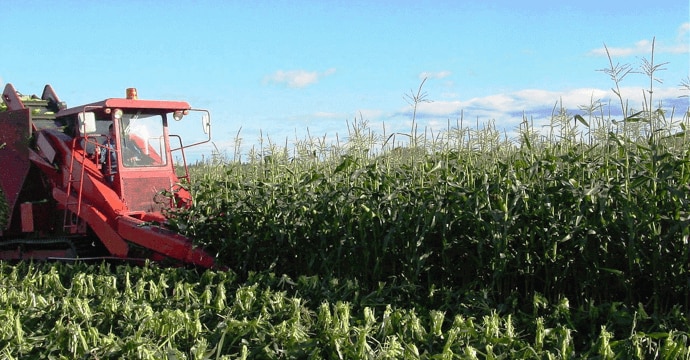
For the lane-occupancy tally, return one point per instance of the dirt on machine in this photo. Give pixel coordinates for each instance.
(94, 181)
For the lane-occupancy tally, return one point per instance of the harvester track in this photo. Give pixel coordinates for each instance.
(81, 247)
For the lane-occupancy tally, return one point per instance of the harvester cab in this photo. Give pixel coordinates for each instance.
(128, 140)
(111, 168)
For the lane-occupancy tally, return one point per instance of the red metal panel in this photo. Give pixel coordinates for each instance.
(27, 212)
(37, 216)
(147, 104)
(15, 129)
(163, 241)
(99, 223)
(166, 106)
(142, 193)
(11, 98)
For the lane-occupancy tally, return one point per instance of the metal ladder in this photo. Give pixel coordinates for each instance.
(72, 218)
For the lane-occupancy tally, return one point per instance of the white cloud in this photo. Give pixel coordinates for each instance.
(326, 115)
(683, 31)
(534, 98)
(643, 47)
(439, 108)
(434, 75)
(368, 113)
(682, 40)
(297, 78)
(640, 47)
(530, 101)
(506, 111)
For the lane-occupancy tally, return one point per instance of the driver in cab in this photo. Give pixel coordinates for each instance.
(131, 154)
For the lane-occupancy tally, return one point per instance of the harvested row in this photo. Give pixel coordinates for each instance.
(80, 311)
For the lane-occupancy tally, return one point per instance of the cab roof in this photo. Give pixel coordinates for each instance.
(165, 106)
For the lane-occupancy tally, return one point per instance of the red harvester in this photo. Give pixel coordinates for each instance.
(71, 194)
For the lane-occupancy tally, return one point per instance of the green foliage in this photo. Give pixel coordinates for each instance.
(605, 221)
(102, 311)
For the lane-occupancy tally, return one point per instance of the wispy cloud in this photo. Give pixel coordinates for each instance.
(326, 115)
(369, 113)
(434, 75)
(640, 47)
(678, 46)
(503, 107)
(683, 39)
(683, 31)
(506, 111)
(297, 78)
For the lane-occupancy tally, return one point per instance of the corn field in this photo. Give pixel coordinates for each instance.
(558, 242)
(602, 221)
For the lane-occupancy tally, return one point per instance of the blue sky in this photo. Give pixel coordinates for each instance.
(285, 69)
